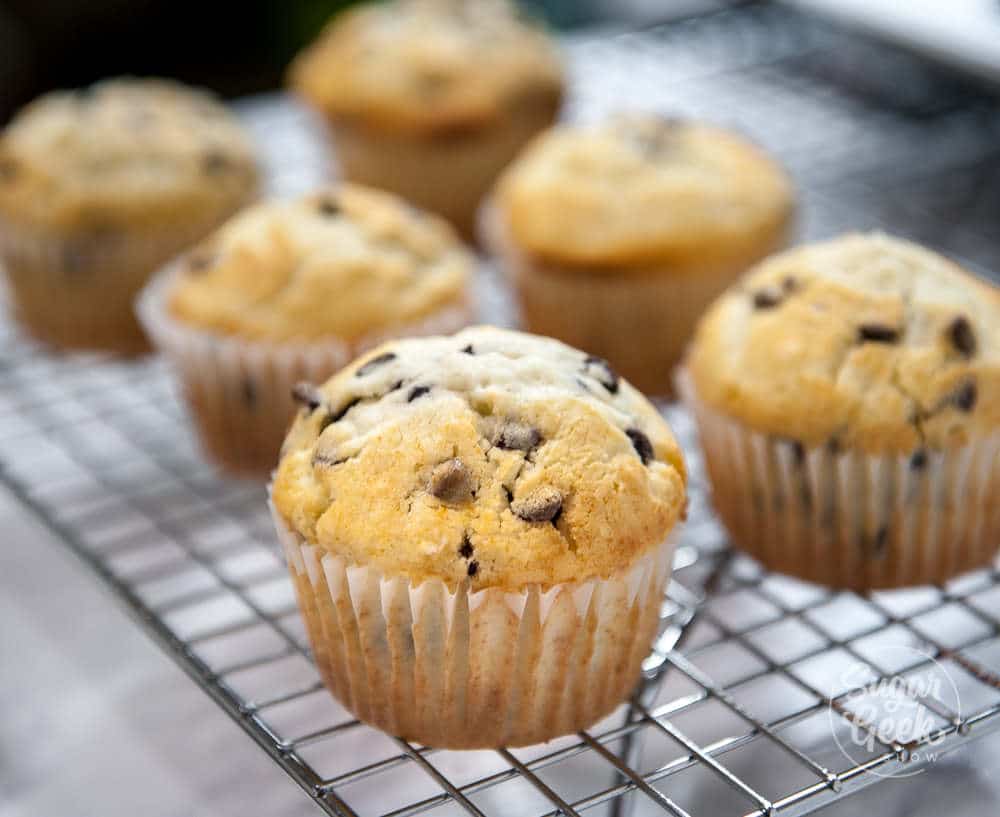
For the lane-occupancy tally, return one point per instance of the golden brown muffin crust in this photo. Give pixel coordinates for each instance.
(493, 457)
(344, 262)
(123, 153)
(428, 66)
(640, 189)
(865, 341)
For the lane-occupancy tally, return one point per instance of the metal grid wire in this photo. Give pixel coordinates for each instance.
(746, 691)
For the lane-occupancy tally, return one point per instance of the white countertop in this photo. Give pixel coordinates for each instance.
(97, 721)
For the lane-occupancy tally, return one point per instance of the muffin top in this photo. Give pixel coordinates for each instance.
(640, 189)
(344, 262)
(491, 456)
(429, 65)
(865, 341)
(124, 152)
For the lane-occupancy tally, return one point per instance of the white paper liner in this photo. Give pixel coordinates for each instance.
(442, 174)
(240, 391)
(459, 669)
(640, 320)
(847, 519)
(78, 290)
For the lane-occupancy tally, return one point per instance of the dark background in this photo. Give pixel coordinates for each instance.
(237, 48)
(234, 48)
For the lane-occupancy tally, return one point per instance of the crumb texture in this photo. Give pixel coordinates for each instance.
(124, 153)
(865, 341)
(641, 189)
(429, 65)
(344, 263)
(490, 457)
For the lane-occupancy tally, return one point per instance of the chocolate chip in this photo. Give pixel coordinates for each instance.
(308, 395)
(199, 261)
(395, 387)
(606, 376)
(215, 161)
(468, 350)
(466, 550)
(962, 337)
(514, 436)
(964, 397)
(640, 442)
(833, 445)
(451, 482)
(337, 416)
(919, 460)
(542, 505)
(766, 299)
(328, 206)
(789, 284)
(374, 363)
(877, 333)
(416, 392)
(8, 170)
(473, 569)
(249, 392)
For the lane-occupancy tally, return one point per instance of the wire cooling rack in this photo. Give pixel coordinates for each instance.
(748, 706)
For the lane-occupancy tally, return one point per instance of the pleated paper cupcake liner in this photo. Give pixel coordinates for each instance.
(77, 291)
(462, 669)
(445, 175)
(847, 519)
(640, 319)
(240, 391)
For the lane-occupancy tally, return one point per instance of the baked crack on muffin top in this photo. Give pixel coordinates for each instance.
(123, 153)
(429, 66)
(640, 189)
(343, 262)
(865, 341)
(494, 457)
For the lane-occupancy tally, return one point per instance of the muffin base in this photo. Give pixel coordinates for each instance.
(846, 519)
(240, 392)
(447, 172)
(467, 670)
(639, 320)
(78, 292)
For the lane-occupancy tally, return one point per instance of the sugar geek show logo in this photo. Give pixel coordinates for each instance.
(894, 710)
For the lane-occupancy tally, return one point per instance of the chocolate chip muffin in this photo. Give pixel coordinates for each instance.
(431, 98)
(101, 186)
(617, 236)
(477, 529)
(295, 289)
(848, 399)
